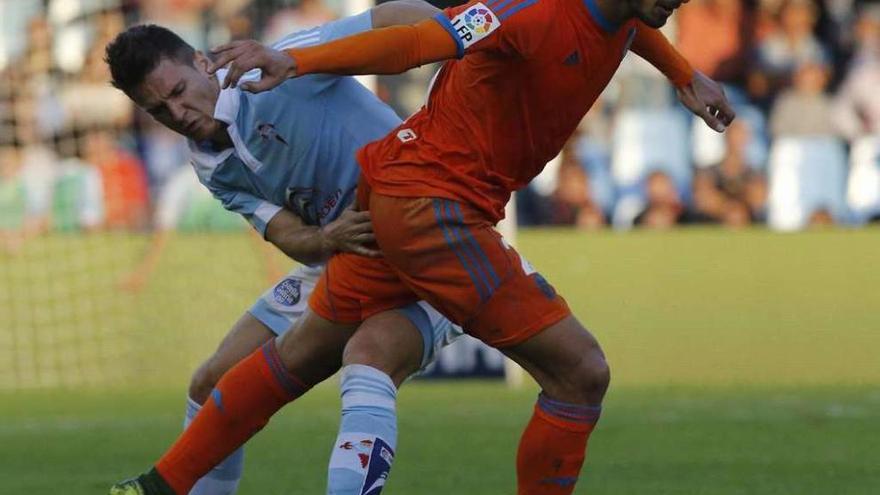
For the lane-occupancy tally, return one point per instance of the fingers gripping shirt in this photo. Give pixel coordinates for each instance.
(294, 146)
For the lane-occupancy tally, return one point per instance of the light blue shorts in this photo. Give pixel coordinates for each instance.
(280, 306)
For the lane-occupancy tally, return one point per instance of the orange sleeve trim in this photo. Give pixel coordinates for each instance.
(390, 50)
(651, 45)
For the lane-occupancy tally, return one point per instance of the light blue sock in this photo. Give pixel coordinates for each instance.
(224, 478)
(364, 450)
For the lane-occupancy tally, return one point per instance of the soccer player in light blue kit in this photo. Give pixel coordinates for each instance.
(285, 160)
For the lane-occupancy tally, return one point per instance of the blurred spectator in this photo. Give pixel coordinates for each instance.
(791, 45)
(87, 98)
(164, 152)
(572, 202)
(664, 207)
(307, 14)
(731, 192)
(35, 110)
(184, 17)
(12, 200)
(804, 110)
(716, 37)
(38, 169)
(54, 98)
(126, 198)
(857, 106)
(186, 205)
(78, 197)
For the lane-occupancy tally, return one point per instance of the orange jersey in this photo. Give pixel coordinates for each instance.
(528, 73)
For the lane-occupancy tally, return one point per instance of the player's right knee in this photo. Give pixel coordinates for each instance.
(585, 382)
(595, 376)
(202, 382)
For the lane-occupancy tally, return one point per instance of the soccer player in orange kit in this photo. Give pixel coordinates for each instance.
(526, 73)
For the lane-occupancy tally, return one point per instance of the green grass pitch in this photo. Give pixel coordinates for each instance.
(743, 363)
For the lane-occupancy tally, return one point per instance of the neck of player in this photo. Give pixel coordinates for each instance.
(615, 11)
(220, 139)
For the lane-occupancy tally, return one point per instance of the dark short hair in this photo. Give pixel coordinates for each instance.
(137, 51)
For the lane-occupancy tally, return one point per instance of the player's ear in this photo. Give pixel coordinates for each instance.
(201, 61)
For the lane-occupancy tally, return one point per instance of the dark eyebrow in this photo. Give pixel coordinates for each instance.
(177, 87)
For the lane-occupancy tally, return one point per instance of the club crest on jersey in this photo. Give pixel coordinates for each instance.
(269, 133)
(474, 24)
(407, 135)
(288, 292)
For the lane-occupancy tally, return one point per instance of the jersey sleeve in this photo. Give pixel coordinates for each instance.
(334, 30)
(514, 27)
(347, 26)
(256, 211)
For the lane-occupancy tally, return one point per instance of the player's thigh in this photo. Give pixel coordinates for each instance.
(244, 338)
(390, 342)
(401, 342)
(312, 349)
(566, 360)
(452, 258)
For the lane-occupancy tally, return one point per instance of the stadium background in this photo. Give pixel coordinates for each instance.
(733, 281)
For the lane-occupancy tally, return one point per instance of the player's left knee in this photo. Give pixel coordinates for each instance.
(202, 382)
(398, 358)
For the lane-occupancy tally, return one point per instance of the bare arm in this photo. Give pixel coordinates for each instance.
(390, 50)
(394, 47)
(351, 232)
(138, 278)
(700, 94)
(651, 45)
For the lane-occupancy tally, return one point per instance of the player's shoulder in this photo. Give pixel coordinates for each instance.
(300, 38)
(533, 12)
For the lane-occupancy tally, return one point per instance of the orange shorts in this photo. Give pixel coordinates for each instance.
(447, 254)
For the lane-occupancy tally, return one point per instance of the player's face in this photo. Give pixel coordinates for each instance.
(181, 97)
(655, 13)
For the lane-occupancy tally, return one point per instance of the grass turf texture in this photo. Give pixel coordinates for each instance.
(743, 363)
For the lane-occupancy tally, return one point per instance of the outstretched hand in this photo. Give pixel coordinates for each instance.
(706, 99)
(244, 56)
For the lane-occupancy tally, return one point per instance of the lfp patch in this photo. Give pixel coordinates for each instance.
(288, 292)
(475, 23)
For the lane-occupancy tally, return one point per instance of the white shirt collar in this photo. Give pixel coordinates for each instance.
(226, 111)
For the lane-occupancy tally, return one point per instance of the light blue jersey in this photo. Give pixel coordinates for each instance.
(294, 148)
(295, 145)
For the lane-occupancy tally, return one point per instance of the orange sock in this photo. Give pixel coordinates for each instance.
(240, 406)
(553, 447)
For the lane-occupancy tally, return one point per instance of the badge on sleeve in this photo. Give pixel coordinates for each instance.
(474, 24)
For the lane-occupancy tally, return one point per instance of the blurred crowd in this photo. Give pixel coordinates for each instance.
(75, 155)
